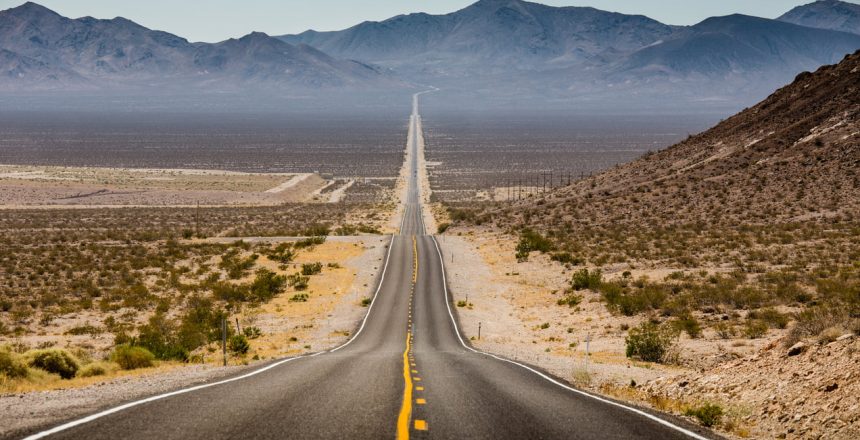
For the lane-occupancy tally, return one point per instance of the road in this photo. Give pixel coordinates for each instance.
(406, 373)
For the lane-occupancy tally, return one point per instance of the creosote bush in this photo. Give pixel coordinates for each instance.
(650, 342)
(54, 360)
(238, 345)
(11, 364)
(532, 241)
(130, 357)
(708, 414)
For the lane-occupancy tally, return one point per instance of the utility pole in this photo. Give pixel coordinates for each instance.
(550, 180)
(479, 330)
(197, 221)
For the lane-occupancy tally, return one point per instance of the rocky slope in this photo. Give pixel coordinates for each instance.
(795, 155)
(805, 392)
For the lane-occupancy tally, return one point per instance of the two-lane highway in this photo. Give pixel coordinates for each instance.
(406, 372)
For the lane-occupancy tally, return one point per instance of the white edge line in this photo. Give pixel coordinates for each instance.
(550, 379)
(123, 407)
(372, 301)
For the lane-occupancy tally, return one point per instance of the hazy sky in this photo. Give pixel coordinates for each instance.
(216, 20)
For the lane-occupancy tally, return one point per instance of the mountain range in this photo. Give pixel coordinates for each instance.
(44, 50)
(498, 51)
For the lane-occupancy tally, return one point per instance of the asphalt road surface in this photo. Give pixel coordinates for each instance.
(405, 373)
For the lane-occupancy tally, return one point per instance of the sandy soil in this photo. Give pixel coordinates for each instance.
(514, 301)
(41, 186)
(333, 307)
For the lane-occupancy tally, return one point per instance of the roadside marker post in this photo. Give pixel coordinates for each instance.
(224, 339)
(587, 351)
(479, 331)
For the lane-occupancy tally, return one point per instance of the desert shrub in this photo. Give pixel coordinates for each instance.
(252, 332)
(54, 360)
(585, 279)
(298, 281)
(770, 316)
(708, 414)
(755, 328)
(724, 330)
(366, 302)
(531, 241)
(160, 336)
(130, 357)
(309, 242)
(230, 292)
(281, 253)
(266, 285)
(443, 227)
(317, 230)
(95, 369)
(238, 345)
(628, 301)
(689, 324)
(11, 364)
(85, 329)
(461, 303)
(236, 266)
(650, 342)
(311, 268)
(814, 320)
(566, 258)
(570, 299)
(299, 297)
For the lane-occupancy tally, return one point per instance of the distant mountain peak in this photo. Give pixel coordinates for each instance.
(30, 8)
(826, 14)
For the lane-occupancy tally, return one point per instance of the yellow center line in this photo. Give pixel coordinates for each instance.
(406, 408)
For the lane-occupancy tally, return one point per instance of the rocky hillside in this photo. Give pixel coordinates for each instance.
(794, 156)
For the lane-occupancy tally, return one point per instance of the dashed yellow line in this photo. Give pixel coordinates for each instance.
(421, 425)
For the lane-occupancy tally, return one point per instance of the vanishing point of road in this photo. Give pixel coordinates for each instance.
(406, 372)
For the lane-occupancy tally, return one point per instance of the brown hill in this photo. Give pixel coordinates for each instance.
(794, 156)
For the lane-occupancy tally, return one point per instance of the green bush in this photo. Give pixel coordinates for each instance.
(299, 298)
(531, 241)
(11, 365)
(95, 369)
(755, 328)
(708, 414)
(298, 281)
(650, 342)
(771, 316)
(311, 268)
(282, 253)
(566, 258)
(585, 279)
(443, 227)
(688, 323)
(266, 285)
(570, 299)
(130, 357)
(54, 360)
(252, 332)
(309, 242)
(238, 345)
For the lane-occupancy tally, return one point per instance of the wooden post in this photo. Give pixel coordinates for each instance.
(224, 339)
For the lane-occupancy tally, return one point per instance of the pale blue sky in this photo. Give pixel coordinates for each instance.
(216, 20)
